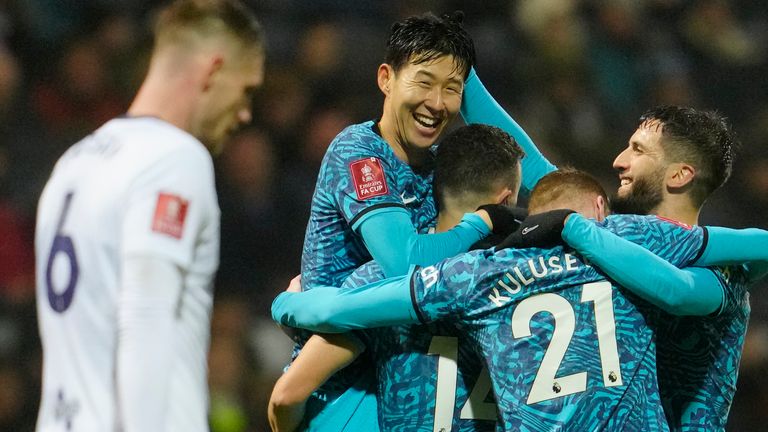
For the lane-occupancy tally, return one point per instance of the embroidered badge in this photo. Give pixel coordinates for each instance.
(368, 178)
(170, 212)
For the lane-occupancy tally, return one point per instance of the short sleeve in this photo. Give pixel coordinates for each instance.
(168, 205)
(359, 175)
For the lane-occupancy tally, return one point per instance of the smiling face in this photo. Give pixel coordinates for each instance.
(420, 101)
(642, 172)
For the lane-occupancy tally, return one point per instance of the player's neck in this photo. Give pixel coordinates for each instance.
(453, 209)
(447, 220)
(166, 99)
(412, 157)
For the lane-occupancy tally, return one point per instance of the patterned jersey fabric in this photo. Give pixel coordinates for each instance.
(425, 374)
(699, 358)
(566, 349)
(359, 173)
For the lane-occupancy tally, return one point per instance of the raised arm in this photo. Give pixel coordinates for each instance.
(331, 310)
(688, 291)
(479, 106)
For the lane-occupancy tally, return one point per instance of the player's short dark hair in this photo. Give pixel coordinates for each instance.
(181, 20)
(423, 38)
(475, 159)
(565, 183)
(703, 139)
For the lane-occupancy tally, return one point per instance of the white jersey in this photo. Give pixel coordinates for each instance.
(135, 187)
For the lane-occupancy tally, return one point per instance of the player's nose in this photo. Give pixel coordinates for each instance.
(621, 162)
(435, 101)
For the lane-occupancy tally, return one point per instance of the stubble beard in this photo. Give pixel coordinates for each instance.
(644, 197)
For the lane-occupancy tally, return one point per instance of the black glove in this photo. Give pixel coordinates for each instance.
(505, 219)
(543, 230)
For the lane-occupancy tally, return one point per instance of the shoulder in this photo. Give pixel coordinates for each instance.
(358, 141)
(156, 156)
(355, 134)
(151, 142)
(644, 220)
(648, 225)
(474, 264)
(620, 220)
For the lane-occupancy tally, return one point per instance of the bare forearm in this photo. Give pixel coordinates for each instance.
(320, 358)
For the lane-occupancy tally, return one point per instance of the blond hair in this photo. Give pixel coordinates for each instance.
(185, 22)
(564, 188)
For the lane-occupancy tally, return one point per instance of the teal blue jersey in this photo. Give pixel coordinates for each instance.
(359, 174)
(564, 346)
(699, 358)
(428, 376)
(367, 203)
(335, 408)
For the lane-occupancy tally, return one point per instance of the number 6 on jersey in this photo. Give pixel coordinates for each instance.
(62, 244)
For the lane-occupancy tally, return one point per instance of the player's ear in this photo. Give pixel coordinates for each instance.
(384, 76)
(601, 208)
(680, 175)
(211, 70)
(506, 197)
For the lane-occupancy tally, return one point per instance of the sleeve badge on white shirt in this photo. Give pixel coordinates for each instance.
(170, 212)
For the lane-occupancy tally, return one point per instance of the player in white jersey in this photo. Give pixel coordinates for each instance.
(127, 236)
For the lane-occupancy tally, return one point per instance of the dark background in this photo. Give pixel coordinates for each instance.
(575, 74)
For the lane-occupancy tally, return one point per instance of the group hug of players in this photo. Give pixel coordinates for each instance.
(437, 305)
(427, 301)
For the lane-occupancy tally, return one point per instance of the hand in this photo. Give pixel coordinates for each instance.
(543, 230)
(504, 219)
(294, 285)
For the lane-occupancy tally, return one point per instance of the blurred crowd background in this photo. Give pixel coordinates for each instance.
(575, 74)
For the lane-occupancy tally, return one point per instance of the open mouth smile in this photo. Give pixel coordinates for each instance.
(427, 121)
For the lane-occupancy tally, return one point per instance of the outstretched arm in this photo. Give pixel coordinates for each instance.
(737, 246)
(688, 291)
(331, 310)
(393, 242)
(479, 106)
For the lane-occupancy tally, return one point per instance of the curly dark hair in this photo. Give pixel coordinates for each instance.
(703, 139)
